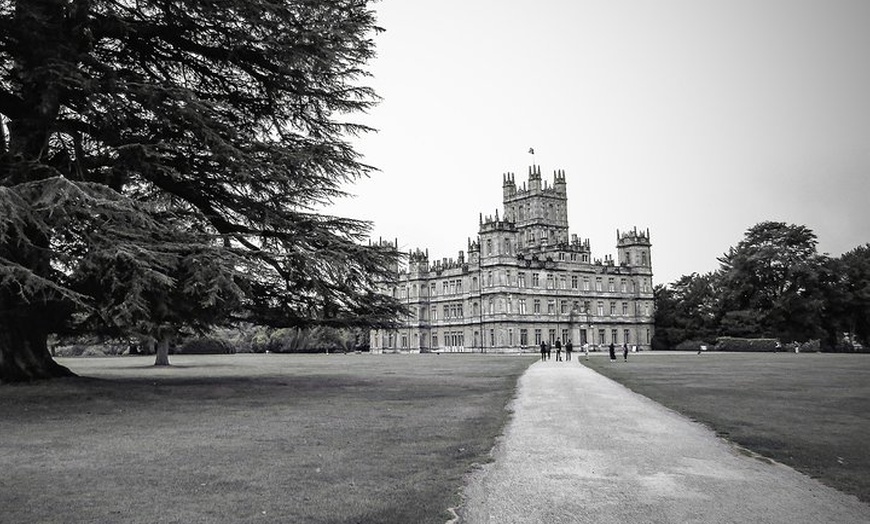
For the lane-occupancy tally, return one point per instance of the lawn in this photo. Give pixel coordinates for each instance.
(251, 438)
(809, 411)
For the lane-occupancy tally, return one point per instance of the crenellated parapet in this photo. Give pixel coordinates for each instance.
(632, 238)
(492, 223)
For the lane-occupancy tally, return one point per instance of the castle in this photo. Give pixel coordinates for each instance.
(524, 281)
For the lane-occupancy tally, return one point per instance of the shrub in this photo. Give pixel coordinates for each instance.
(692, 345)
(810, 346)
(746, 344)
(205, 346)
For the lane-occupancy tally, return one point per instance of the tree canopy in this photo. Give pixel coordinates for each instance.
(161, 164)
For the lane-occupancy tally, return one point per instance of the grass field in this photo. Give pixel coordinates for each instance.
(810, 411)
(251, 438)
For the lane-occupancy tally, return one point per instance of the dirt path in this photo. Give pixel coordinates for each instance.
(582, 448)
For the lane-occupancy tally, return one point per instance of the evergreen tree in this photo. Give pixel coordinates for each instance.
(772, 284)
(161, 163)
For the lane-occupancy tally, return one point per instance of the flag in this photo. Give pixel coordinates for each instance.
(532, 150)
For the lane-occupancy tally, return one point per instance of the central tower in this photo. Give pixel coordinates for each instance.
(540, 211)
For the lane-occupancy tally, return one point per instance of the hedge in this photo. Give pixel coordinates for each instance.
(746, 344)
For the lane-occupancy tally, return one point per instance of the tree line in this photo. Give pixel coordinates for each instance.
(772, 284)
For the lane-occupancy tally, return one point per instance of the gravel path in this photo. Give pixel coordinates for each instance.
(582, 448)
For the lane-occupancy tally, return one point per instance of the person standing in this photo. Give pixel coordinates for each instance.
(558, 350)
(569, 348)
(543, 351)
(625, 352)
(586, 350)
(612, 353)
(549, 350)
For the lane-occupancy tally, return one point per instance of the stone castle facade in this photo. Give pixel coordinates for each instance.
(525, 280)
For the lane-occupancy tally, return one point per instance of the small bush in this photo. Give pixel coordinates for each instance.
(810, 346)
(205, 346)
(747, 344)
(692, 345)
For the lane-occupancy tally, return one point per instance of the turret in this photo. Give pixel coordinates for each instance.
(534, 178)
(509, 186)
(633, 248)
(559, 183)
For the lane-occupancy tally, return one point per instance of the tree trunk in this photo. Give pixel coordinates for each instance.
(162, 350)
(24, 354)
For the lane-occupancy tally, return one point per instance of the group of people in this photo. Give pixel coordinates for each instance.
(546, 350)
(613, 352)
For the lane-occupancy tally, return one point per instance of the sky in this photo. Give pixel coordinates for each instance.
(695, 119)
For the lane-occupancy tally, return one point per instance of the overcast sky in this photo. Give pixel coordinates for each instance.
(696, 119)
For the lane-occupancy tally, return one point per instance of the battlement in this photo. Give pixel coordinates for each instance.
(632, 238)
(536, 186)
(490, 223)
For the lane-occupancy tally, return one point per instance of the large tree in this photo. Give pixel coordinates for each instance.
(687, 310)
(849, 298)
(773, 282)
(161, 163)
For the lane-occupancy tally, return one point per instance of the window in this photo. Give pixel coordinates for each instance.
(610, 286)
(510, 337)
(491, 306)
(573, 257)
(551, 307)
(550, 284)
(489, 279)
(434, 313)
(536, 280)
(521, 279)
(488, 246)
(623, 285)
(601, 334)
(561, 256)
(522, 304)
(524, 337)
(613, 333)
(404, 340)
(452, 287)
(564, 308)
(537, 337)
(445, 287)
(613, 308)
(626, 336)
(598, 284)
(507, 246)
(552, 334)
(600, 308)
(446, 311)
(492, 338)
(628, 258)
(564, 335)
(625, 308)
(475, 309)
(474, 283)
(574, 281)
(434, 339)
(585, 283)
(643, 261)
(563, 282)
(459, 286)
(537, 306)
